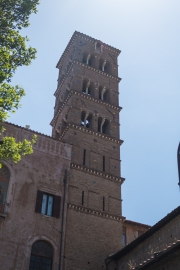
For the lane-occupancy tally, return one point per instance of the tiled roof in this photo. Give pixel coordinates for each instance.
(158, 256)
(145, 235)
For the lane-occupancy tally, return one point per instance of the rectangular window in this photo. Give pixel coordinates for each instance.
(103, 163)
(48, 204)
(84, 157)
(103, 203)
(82, 197)
(124, 236)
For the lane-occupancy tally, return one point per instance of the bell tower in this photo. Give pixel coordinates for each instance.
(86, 115)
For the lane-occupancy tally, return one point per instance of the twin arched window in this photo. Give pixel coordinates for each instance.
(103, 124)
(41, 256)
(89, 59)
(88, 88)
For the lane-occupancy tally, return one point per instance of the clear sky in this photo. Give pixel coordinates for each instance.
(148, 34)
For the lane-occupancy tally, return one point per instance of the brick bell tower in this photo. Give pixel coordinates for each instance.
(86, 115)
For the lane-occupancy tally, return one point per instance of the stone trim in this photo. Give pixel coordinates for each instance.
(98, 173)
(88, 38)
(87, 66)
(117, 108)
(94, 212)
(86, 130)
(98, 71)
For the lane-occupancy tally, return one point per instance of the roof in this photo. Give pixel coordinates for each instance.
(157, 256)
(136, 223)
(146, 235)
(78, 34)
(30, 130)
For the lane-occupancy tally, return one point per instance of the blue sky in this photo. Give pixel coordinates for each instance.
(147, 33)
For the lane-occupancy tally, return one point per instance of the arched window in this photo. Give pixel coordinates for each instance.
(103, 125)
(86, 120)
(103, 93)
(4, 182)
(88, 59)
(88, 87)
(98, 47)
(105, 66)
(41, 256)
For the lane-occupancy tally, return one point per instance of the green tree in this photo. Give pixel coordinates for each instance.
(14, 16)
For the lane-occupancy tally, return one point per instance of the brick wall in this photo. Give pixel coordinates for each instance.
(88, 240)
(157, 242)
(94, 217)
(20, 226)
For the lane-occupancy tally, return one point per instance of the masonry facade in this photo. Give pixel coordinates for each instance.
(61, 207)
(86, 116)
(31, 204)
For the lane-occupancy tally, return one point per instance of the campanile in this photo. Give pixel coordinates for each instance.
(86, 115)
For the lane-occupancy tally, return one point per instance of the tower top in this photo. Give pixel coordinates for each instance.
(87, 38)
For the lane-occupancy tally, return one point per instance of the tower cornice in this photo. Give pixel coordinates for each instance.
(98, 173)
(97, 101)
(95, 133)
(88, 67)
(94, 212)
(87, 38)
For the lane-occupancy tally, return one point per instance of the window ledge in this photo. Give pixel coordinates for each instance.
(3, 215)
(46, 216)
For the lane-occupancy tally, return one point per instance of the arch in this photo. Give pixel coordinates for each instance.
(106, 127)
(86, 119)
(98, 47)
(88, 59)
(107, 67)
(104, 93)
(103, 125)
(88, 87)
(46, 238)
(41, 255)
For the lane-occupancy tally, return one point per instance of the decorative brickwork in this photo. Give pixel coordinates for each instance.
(86, 116)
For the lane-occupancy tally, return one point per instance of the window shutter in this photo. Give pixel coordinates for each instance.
(56, 206)
(39, 201)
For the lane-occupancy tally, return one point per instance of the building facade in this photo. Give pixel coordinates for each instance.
(132, 230)
(31, 204)
(61, 207)
(86, 116)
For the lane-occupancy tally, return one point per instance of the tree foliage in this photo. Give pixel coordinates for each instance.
(14, 16)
